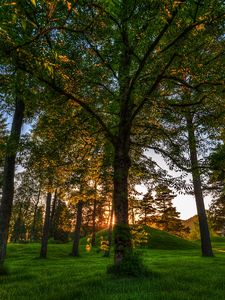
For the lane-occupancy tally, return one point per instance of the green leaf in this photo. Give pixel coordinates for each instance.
(34, 2)
(14, 18)
(24, 24)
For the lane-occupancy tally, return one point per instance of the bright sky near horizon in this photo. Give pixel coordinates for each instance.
(184, 203)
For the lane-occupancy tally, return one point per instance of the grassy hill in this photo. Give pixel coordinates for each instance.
(191, 222)
(163, 240)
(158, 239)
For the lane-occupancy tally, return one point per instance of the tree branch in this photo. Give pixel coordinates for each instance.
(157, 149)
(107, 64)
(153, 87)
(151, 48)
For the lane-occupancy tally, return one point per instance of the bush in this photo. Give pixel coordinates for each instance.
(140, 236)
(61, 236)
(132, 265)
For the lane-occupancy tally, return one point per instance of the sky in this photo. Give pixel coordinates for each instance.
(184, 203)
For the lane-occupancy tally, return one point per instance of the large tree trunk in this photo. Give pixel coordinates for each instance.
(76, 241)
(46, 227)
(8, 176)
(121, 164)
(202, 218)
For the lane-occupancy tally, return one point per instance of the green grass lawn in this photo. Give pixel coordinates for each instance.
(176, 275)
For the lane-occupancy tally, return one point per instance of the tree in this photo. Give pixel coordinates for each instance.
(16, 87)
(9, 169)
(131, 46)
(76, 240)
(217, 169)
(203, 225)
(19, 230)
(3, 135)
(46, 226)
(167, 217)
(217, 214)
(147, 209)
(216, 181)
(60, 221)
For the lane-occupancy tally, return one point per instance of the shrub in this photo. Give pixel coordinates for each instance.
(132, 265)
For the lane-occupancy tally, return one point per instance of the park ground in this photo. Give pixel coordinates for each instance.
(175, 274)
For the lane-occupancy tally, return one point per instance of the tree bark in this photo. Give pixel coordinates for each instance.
(110, 227)
(53, 215)
(202, 218)
(110, 233)
(121, 161)
(223, 230)
(76, 241)
(46, 227)
(32, 234)
(93, 237)
(132, 212)
(8, 176)
(121, 164)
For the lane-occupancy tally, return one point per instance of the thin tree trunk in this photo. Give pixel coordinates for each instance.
(93, 237)
(46, 227)
(32, 235)
(202, 218)
(52, 218)
(110, 233)
(8, 176)
(131, 210)
(223, 230)
(110, 227)
(76, 241)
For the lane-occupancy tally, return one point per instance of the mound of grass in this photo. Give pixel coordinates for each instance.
(218, 239)
(158, 239)
(165, 241)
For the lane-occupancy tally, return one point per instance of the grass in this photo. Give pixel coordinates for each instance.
(175, 275)
(163, 240)
(158, 240)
